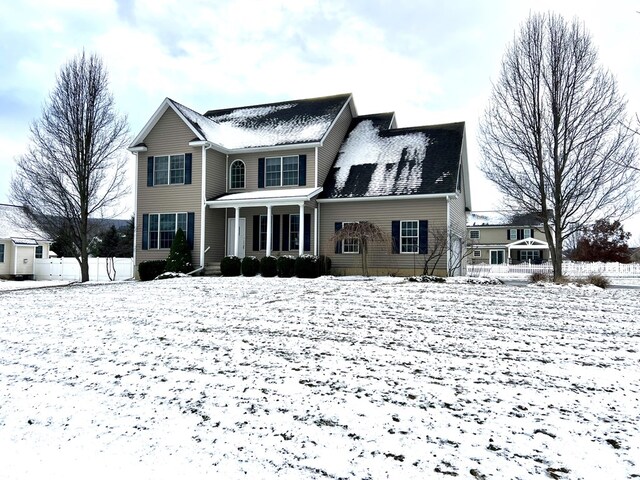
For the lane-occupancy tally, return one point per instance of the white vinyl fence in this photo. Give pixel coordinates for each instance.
(69, 269)
(571, 269)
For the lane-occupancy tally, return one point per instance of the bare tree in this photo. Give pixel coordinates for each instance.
(365, 233)
(75, 165)
(553, 138)
(443, 248)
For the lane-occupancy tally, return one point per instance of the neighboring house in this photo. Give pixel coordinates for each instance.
(281, 178)
(500, 237)
(635, 254)
(19, 246)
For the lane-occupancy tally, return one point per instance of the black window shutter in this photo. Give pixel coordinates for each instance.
(302, 170)
(187, 168)
(145, 231)
(256, 233)
(395, 236)
(307, 232)
(520, 233)
(338, 244)
(423, 234)
(508, 234)
(275, 233)
(191, 228)
(285, 232)
(261, 172)
(149, 171)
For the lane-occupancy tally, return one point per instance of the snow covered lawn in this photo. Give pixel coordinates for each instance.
(286, 378)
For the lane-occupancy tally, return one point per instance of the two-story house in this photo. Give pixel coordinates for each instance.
(504, 237)
(281, 178)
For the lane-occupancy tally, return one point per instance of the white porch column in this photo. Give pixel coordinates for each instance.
(301, 233)
(268, 252)
(236, 233)
(316, 230)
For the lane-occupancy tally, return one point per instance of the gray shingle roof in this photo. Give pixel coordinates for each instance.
(272, 124)
(375, 161)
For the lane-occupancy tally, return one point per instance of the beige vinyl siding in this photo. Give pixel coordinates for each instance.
(248, 214)
(251, 168)
(214, 235)
(329, 150)
(169, 136)
(495, 238)
(382, 213)
(216, 173)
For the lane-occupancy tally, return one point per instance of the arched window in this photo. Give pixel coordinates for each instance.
(236, 174)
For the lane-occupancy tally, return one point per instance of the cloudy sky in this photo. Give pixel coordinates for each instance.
(429, 61)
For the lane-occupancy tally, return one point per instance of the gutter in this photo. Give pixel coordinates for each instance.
(447, 196)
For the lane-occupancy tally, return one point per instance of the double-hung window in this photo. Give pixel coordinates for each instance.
(474, 234)
(263, 232)
(163, 228)
(281, 171)
(409, 236)
(350, 245)
(168, 169)
(39, 251)
(1, 252)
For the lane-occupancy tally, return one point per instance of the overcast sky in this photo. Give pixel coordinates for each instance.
(429, 61)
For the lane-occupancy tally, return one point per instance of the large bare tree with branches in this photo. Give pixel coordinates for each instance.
(553, 137)
(75, 165)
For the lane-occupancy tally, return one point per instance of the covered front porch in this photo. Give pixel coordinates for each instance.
(273, 222)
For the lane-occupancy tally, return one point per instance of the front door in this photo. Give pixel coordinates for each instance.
(231, 240)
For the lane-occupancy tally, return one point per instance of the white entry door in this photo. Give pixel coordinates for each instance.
(231, 237)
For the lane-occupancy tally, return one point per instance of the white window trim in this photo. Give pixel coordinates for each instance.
(282, 171)
(184, 169)
(186, 214)
(357, 244)
(471, 234)
(513, 234)
(477, 253)
(417, 237)
(35, 252)
(244, 175)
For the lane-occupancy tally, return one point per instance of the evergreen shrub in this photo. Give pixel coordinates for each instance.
(269, 266)
(179, 259)
(230, 266)
(250, 266)
(307, 266)
(286, 266)
(150, 269)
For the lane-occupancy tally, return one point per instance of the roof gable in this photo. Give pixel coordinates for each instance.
(375, 160)
(14, 223)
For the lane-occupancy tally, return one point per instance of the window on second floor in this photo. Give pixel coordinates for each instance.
(169, 169)
(236, 174)
(281, 171)
(474, 234)
(519, 233)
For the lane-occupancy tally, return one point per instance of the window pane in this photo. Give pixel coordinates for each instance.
(177, 168)
(263, 232)
(237, 174)
(2, 253)
(182, 222)
(167, 229)
(294, 232)
(273, 172)
(409, 236)
(290, 170)
(350, 245)
(153, 231)
(161, 171)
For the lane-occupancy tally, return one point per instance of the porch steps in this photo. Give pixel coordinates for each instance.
(212, 268)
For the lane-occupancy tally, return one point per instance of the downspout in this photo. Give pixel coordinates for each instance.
(203, 205)
(448, 234)
(200, 268)
(135, 214)
(316, 175)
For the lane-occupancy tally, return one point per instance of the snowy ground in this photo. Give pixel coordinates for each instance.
(286, 378)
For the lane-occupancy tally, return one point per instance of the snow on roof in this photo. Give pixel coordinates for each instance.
(365, 146)
(501, 218)
(12, 219)
(271, 194)
(303, 121)
(374, 161)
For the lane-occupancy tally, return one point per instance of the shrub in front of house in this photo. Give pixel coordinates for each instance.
(325, 265)
(230, 266)
(269, 266)
(150, 269)
(598, 281)
(179, 259)
(307, 266)
(250, 266)
(286, 266)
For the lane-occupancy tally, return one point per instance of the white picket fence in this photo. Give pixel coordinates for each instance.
(69, 269)
(571, 269)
